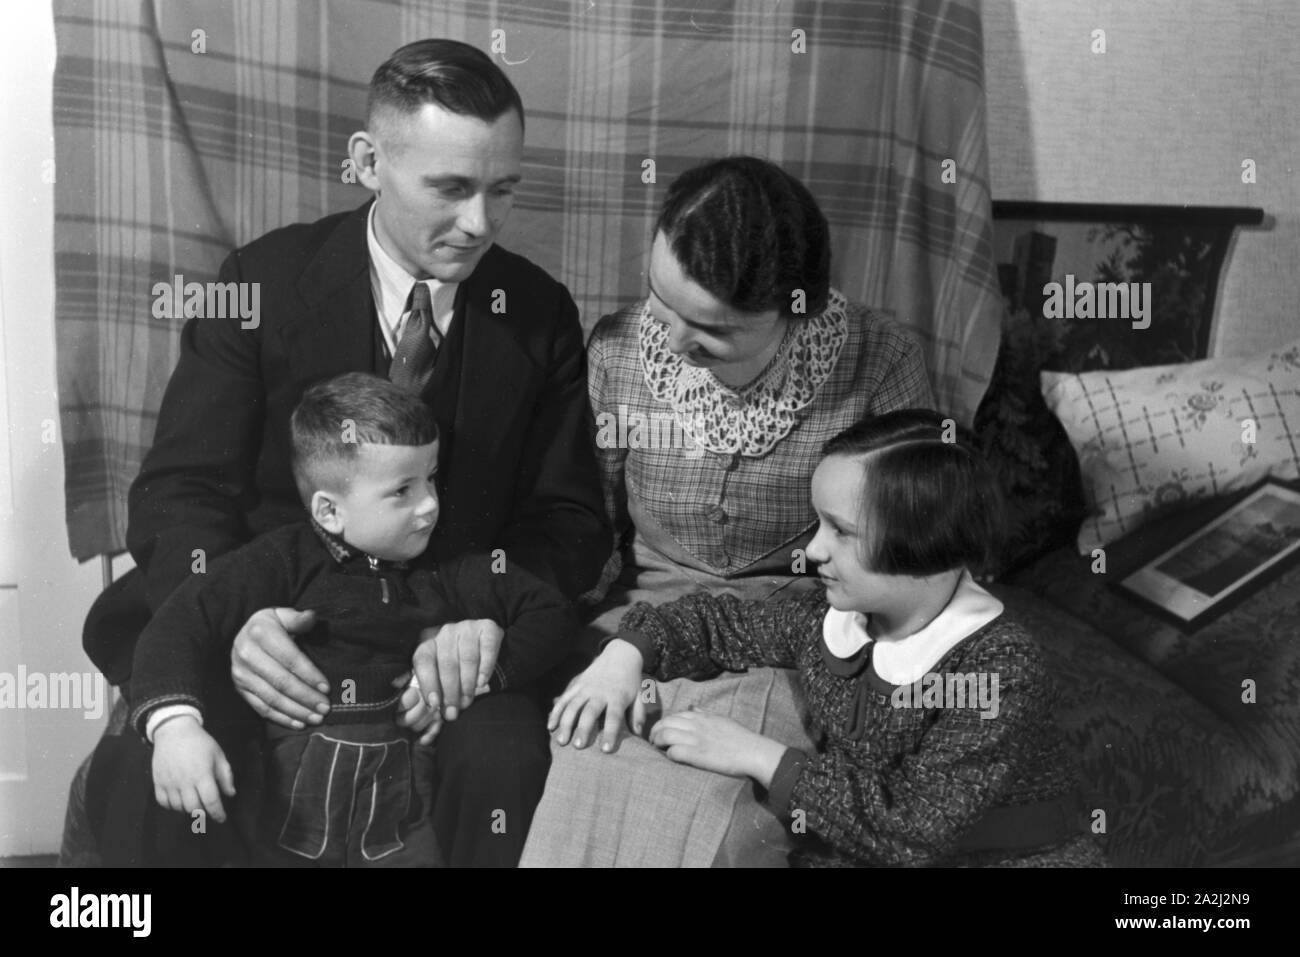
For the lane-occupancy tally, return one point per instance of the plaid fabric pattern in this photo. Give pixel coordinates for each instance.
(175, 145)
(635, 807)
(721, 508)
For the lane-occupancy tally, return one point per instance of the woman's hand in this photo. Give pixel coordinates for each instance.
(716, 743)
(607, 687)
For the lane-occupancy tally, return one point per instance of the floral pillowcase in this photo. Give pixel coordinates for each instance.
(1153, 438)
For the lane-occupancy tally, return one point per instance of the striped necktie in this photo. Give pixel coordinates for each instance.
(413, 359)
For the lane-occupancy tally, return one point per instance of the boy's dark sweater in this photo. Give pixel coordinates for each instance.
(369, 618)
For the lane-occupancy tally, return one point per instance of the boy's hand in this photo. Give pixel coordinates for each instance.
(607, 687)
(413, 709)
(713, 742)
(188, 768)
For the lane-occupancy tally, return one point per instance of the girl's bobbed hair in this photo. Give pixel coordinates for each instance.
(929, 501)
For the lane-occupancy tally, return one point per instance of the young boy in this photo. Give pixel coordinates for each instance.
(355, 790)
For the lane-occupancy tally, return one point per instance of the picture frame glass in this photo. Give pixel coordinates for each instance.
(1218, 563)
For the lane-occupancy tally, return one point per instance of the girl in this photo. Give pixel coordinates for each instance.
(933, 707)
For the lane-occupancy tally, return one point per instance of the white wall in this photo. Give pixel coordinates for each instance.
(44, 594)
(1184, 93)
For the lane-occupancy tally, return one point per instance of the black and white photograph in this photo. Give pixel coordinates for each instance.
(652, 434)
(1217, 564)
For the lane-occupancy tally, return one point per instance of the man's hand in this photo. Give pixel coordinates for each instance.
(190, 771)
(453, 665)
(717, 743)
(272, 674)
(607, 687)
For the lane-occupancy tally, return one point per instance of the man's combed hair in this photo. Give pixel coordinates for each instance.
(928, 504)
(456, 76)
(336, 417)
(749, 234)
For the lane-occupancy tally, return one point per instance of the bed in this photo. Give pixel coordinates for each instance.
(1114, 441)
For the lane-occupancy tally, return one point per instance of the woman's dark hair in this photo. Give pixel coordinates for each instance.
(751, 235)
(930, 502)
(336, 417)
(456, 76)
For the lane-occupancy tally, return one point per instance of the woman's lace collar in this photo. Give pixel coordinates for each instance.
(751, 420)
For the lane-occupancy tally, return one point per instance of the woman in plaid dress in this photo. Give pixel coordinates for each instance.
(933, 707)
(712, 399)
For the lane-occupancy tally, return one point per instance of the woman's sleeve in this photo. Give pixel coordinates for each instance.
(609, 458)
(899, 370)
(700, 636)
(913, 808)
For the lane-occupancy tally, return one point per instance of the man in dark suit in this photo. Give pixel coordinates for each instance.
(412, 286)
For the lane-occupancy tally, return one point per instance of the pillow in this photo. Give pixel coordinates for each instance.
(1153, 438)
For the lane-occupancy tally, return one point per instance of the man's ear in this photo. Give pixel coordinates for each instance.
(325, 509)
(362, 150)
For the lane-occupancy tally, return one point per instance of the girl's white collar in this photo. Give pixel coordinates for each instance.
(907, 660)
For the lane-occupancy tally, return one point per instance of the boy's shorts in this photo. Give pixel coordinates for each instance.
(346, 795)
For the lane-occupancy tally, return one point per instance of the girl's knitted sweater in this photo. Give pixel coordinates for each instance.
(898, 778)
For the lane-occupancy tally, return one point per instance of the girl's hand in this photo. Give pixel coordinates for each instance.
(607, 687)
(716, 743)
(189, 767)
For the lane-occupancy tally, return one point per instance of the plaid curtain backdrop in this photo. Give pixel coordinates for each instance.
(173, 146)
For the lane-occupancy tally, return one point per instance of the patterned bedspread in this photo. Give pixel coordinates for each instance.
(1187, 769)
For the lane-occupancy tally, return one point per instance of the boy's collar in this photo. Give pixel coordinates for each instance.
(345, 554)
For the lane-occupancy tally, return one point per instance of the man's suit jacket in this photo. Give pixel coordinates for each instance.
(516, 464)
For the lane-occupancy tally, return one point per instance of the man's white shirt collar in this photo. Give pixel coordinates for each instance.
(907, 660)
(392, 286)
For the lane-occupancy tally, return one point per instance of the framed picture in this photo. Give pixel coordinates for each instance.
(1217, 566)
